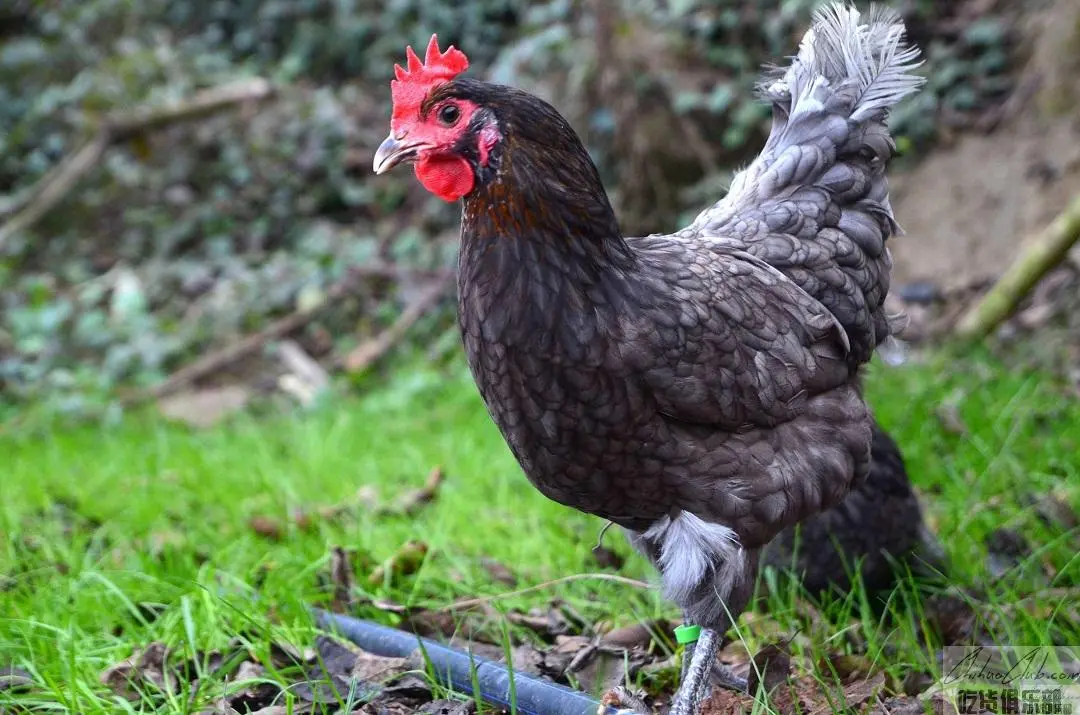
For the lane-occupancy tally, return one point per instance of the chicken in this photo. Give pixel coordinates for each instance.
(877, 529)
(699, 389)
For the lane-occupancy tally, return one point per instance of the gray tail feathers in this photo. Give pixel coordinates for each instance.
(847, 58)
(825, 161)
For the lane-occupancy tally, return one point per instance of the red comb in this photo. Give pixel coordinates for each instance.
(412, 85)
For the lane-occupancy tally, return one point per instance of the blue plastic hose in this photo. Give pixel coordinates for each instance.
(454, 669)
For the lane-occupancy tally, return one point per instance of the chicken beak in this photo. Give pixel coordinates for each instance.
(392, 152)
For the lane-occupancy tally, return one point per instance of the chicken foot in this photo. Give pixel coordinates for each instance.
(696, 673)
(722, 675)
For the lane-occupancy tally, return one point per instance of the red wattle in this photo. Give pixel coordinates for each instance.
(447, 176)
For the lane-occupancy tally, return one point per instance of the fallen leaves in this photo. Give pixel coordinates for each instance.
(267, 527)
(411, 502)
(204, 408)
(607, 558)
(793, 690)
(448, 707)
(330, 673)
(146, 668)
(639, 635)
(14, 679)
(364, 503)
(948, 416)
(403, 562)
(499, 572)
(342, 579)
(769, 667)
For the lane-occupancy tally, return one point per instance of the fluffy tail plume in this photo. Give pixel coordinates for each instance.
(858, 61)
(815, 203)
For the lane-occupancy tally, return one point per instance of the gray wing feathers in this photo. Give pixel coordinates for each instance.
(748, 347)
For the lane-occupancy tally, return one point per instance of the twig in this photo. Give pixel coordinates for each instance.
(1046, 250)
(343, 579)
(54, 186)
(306, 379)
(362, 356)
(225, 356)
(51, 189)
(245, 346)
(474, 602)
(414, 500)
(122, 125)
(241, 348)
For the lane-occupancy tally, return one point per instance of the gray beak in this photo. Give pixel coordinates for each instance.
(391, 153)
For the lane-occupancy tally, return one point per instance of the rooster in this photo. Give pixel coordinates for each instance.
(699, 389)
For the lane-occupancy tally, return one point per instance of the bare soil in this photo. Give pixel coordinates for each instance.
(969, 206)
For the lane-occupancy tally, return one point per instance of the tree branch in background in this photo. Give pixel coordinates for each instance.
(52, 188)
(372, 350)
(1045, 251)
(367, 353)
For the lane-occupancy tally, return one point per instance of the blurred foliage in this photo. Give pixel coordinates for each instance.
(184, 238)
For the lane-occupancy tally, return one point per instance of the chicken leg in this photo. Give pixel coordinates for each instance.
(696, 673)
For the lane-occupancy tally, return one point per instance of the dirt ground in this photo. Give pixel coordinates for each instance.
(968, 207)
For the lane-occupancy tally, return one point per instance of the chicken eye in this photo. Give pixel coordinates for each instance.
(449, 114)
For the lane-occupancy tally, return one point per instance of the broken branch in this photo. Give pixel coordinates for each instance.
(233, 352)
(56, 184)
(364, 355)
(1046, 250)
(413, 501)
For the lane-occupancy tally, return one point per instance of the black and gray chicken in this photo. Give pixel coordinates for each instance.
(701, 388)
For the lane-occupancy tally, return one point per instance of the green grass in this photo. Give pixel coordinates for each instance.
(159, 514)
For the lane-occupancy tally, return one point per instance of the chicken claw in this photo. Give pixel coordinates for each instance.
(623, 701)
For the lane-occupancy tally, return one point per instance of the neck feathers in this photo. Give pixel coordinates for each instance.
(543, 193)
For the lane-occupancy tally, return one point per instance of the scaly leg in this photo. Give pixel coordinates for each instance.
(623, 701)
(697, 674)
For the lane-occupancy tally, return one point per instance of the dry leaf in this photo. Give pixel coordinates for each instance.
(638, 635)
(941, 706)
(848, 667)
(342, 579)
(499, 572)
(448, 707)
(144, 668)
(342, 668)
(771, 667)
(860, 692)
(412, 501)
(267, 527)
(948, 415)
(725, 702)
(14, 679)
(286, 655)
(372, 668)
(1054, 510)
(607, 558)
(257, 694)
(899, 706)
(166, 540)
(406, 560)
(204, 408)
